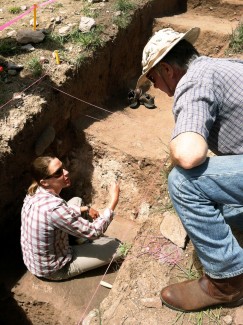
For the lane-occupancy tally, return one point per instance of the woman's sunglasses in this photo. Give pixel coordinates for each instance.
(58, 173)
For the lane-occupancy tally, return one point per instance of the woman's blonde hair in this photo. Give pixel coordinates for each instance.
(39, 170)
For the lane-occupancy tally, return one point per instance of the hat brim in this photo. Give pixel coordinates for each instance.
(191, 36)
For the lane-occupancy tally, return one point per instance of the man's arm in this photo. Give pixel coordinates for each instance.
(188, 150)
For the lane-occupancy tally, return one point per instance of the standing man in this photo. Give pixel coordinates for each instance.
(207, 193)
(47, 220)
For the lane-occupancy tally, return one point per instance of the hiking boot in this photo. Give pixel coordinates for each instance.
(133, 97)
(195, 295)
(147, 101)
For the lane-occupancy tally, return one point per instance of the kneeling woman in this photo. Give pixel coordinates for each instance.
(47, 220)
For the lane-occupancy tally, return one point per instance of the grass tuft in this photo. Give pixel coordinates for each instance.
(236, 40)
(35, 67)
(8, 47)
(124, 248)
(14, 10)
(124, 6)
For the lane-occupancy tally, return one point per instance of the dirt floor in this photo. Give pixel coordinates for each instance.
(106, 141)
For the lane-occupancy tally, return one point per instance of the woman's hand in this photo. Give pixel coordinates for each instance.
(94, 214)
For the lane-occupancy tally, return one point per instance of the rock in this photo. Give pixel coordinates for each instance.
(154, 302)
(93, 315)
(32, 22)
(117, 13)
(43, 60)
(227, 320)
(172, 229)
(143, 213)
(12, 66)
(23, 8)
(26, 36)
(28, 47)
(12, 72)
(239, 316)
(44, 140)
(58, 20)
(64, 30)
(12, 33)
(86, 24)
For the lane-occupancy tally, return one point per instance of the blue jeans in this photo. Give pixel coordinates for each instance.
(208, 199)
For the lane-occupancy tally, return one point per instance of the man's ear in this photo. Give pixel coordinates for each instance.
(168, 69)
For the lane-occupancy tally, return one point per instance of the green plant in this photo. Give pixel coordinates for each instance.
(124, 5)
(35, 67)
(236, 40)
(8, 47)
(80, 59)
(58, 5)
(124, 248)
(90, 40)
(122, 21)
(89, 11)
(14, 10)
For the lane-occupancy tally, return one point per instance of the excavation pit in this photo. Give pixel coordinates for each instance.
(82, 116)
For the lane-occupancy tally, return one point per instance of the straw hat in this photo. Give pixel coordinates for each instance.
(160, 44)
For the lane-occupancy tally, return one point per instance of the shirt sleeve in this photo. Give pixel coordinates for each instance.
(194, 108)
(70, 221)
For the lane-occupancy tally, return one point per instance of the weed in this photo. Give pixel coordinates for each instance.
(58, 5)
(236, 40)
(124, 5)
(80, 59)
(8, 47)
(14, 10)
(90, 40)
(88, 11)
(124, 248)
(122, 21)
(35, 67)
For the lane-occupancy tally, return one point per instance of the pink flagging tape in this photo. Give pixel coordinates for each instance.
(9, 23)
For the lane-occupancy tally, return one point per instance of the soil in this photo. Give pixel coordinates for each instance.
(100, 138)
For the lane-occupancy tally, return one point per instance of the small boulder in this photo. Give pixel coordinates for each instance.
(26, 36)
(86, 24)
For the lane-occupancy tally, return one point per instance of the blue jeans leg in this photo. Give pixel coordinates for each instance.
(209, 198)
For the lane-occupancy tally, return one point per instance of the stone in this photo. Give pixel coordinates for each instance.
(92, 316)
(26, 36)
(172, 229)
(44, 140)
(64, 30)
(86, 24)
(154, 302)
(13, 66)
(12, 33)
(28, 47)
(12, 72)
(143, 213)
(227, 320)
(32, 22)
(239, 316)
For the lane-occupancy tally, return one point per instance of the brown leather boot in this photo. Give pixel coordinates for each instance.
(195, 295)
